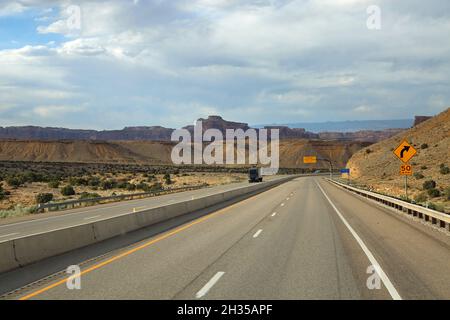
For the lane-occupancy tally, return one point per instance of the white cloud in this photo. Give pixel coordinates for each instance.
(277, 59)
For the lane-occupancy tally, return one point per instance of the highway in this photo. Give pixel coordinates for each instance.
(63, 219)
(304, 239)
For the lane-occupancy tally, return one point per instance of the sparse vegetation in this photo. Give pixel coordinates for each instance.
(429, 184)
(421, 197)
(53, 184)
(167, 178)
(447, 193)
(424, 146)
(44, 197)
(3, 193)
(68, 191)
(418, 175)
(444, 169)
(87, 195)
(434, 193)
(14, 182)
(368, 151)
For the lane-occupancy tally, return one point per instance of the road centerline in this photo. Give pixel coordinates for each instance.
(257, 233)
(203, 291)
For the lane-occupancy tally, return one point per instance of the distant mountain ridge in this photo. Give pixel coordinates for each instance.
(349, 126)
(159, 133)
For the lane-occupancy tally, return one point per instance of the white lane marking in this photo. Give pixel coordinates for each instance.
(9, 235)
(93, 217)
(274, 214)
(282, 204)
(288, 198)
(388, 284)
(257, 233)
(138, 209)
(209, 285)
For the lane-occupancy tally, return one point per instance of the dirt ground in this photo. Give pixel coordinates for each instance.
(25, 196)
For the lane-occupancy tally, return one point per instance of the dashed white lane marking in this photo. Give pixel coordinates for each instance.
(257, 233)
(288, 198)
(388, 284)
(9, 235)
(209, 285)
(93, 217)
(282, 204)
(274, 214)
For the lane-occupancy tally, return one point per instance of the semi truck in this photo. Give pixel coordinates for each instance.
(254, 175)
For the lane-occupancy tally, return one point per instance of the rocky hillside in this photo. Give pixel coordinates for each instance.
(377, 166)
(152, 152)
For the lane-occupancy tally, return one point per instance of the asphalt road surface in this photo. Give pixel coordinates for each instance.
(305, 239)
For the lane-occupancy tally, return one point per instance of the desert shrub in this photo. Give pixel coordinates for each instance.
(424, 167)
(429, 184)
(87, 195)
(447, 193)
(67, 191)
(108, 184)
(143, 186)
(15, 181)
(418, 175)
(421, 197)
(167, 178)
(94, 181)
(368, 151)
(3, 192)
(424, 146)
(122, 184)
(131, 187)
(444, 169)
(44, 197)
(53, 184)
(156, 187)
(434, 193)
(77, 181)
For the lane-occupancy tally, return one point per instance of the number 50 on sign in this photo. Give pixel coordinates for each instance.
(405, 170)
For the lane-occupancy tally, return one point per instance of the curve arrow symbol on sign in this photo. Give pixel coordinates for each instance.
(405, 149)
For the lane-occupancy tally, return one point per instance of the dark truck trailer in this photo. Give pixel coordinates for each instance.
(254, 175)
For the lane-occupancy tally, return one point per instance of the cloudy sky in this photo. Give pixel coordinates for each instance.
(110, 64)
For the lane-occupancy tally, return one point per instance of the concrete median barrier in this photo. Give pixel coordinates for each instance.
(44, 245)
(26, 250)
(116, 226)
(8, 260)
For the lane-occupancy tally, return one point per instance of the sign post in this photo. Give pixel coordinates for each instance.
(405, 152)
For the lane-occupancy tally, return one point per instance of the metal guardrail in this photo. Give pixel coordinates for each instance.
(70, 204)
(429, 215)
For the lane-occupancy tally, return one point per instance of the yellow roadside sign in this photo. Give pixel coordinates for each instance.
(310, 159)
(405, 151)
(405, 170)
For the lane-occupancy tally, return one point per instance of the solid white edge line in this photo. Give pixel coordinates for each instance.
(93, 217)
(257, 233)
(274, 214)
(388, 284)
(209, 285)
(9, 235)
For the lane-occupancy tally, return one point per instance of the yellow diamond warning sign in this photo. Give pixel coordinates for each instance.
(405, 151)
